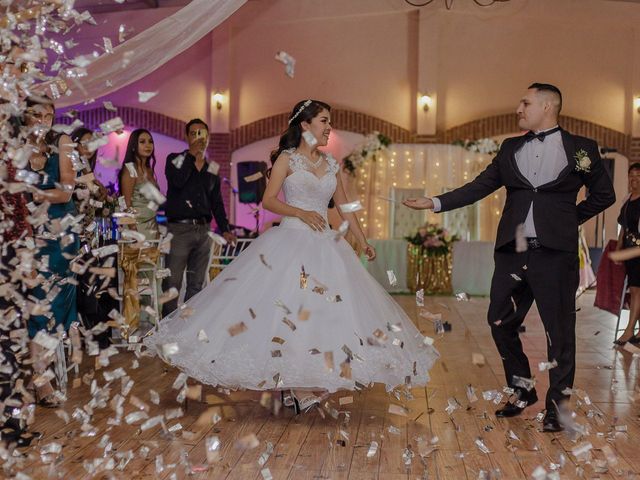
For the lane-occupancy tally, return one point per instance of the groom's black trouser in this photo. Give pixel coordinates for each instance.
(551, 278)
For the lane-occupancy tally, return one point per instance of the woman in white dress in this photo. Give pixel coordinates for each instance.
(297, 310)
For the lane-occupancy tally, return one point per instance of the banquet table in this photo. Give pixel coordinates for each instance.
(471, 272)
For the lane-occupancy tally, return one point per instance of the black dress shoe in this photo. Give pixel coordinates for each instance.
(512, 410)
(550, 422)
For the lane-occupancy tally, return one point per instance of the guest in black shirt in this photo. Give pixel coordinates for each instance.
(193, 199)
(629, 237)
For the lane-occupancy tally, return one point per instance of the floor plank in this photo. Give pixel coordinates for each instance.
(315, 446)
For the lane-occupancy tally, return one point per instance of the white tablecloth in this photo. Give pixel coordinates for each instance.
(472, 266)
(392, 255)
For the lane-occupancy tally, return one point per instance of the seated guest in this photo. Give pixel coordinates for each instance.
(629, 220)
(193, 198)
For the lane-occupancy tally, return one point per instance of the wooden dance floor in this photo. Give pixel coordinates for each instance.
(471, 443)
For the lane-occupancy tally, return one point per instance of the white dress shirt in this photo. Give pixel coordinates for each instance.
(540, 162)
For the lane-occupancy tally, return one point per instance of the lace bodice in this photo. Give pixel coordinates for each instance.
(303, 189)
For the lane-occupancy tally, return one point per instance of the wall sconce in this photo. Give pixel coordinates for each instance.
(218, 98)
(636, 104)
(425, 102)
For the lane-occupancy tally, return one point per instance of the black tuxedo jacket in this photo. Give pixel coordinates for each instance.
(555, 213)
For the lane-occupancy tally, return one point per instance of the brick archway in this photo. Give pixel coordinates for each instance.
(507, 123)
(221, 145)
(156, 122)
(348, 120)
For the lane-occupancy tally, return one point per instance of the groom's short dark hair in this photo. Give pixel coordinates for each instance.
(634, 166)
(547, 87)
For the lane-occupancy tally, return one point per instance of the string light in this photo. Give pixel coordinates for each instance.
(427, 169)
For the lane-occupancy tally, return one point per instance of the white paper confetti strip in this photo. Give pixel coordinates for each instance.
(521, 241)
(289, 62)
(373, 449)
(351, 207)
(420, 297)
(213, 167)
(144, 97)
(113, 125)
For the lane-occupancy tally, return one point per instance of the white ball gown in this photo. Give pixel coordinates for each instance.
(263, 324)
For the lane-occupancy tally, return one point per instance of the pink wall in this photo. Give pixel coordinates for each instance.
(345, 61)
(486, 64)
(374, 56)
(182, 83)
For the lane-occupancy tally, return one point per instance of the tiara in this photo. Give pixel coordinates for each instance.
(304, 105)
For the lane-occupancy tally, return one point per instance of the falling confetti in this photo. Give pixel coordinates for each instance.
(420, 297)
(462, 297)
(521, 241)
(542, 366)
(213, 167)
(144, 97)
(351, 207)
(254, 177)
(237, 329)
(289, 62)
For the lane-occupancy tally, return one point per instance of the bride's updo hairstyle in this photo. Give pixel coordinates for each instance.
(304, 111)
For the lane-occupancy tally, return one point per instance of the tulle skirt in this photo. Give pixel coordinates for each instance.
(295, 310)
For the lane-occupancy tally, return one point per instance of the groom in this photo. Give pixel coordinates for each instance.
(542, 172)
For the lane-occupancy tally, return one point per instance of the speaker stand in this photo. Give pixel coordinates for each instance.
(256, 215)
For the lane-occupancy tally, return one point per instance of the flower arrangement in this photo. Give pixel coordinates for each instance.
(433, 238)
(372, 145)
(483, 145)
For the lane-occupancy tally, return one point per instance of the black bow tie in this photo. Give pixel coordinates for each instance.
(530, 135)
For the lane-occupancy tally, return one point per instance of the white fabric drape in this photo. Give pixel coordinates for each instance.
(150, 49)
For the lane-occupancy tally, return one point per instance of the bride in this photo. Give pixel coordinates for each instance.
(297, 310)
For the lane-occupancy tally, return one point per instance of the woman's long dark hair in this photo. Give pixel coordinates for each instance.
(292, 136)
(77, 135)
(131, 155)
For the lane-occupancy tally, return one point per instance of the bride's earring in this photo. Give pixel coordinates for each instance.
(309, 138)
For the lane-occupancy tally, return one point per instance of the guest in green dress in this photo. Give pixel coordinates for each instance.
(52, 159)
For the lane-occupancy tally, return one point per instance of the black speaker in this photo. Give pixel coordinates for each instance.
(251, 191)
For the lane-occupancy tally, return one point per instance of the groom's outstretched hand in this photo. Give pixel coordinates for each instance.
(420, 203)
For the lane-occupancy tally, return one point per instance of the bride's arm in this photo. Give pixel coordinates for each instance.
(271, 202)
(340, 197)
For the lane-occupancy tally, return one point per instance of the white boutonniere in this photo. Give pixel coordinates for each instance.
(583, 162)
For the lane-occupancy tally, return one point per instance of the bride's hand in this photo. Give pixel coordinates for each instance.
(421, 203)
(313, 219)
(369, 251)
